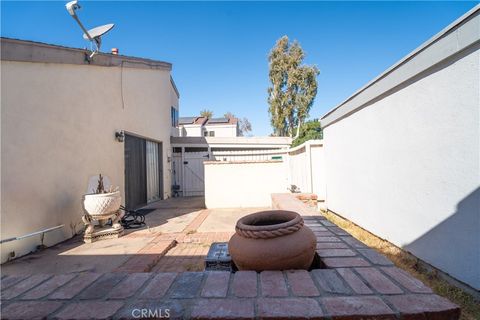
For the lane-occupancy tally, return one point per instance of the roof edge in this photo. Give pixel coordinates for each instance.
(31, 51)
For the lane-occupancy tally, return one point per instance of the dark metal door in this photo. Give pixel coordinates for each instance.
(135, 172)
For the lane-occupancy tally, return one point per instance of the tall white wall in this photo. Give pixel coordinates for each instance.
(58, 124)
(307, 168)
(243, 184)
(404, 162)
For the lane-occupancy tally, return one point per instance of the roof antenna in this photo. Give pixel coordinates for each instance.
(93, 35)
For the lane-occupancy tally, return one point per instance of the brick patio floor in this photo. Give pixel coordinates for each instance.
(359, 283)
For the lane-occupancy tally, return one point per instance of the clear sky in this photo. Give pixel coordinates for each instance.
(219, 49)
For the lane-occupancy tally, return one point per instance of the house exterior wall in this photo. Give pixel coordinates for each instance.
(222, 130)
(402, 154)
(239, 184)
(191, 130)
(58, 124)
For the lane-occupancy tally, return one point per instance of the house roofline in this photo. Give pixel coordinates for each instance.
(31, 51)
(174, 86)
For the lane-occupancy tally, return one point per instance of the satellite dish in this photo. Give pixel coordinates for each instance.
(98, 31)
(93, 35)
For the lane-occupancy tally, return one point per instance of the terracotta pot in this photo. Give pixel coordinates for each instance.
(272, 240)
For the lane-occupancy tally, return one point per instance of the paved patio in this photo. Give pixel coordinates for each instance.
(358, 283)
(182, 225)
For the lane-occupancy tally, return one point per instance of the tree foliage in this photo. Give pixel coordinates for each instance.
(206, 113)
(244, 125)
(293, 87)
(310, 130)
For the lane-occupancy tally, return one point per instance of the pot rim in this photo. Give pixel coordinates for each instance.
(245, 223)
(102, 194)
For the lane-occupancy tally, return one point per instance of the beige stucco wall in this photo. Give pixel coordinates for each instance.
(243, 184)
(58, 123)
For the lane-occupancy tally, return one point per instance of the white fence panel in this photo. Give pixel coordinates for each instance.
(299, 170)
(248, 155)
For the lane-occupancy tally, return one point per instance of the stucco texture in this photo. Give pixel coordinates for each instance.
(243, 184)
(406, 166)
(58, 124)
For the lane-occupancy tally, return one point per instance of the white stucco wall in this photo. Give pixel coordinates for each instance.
(319, 172)
(405, 165)
(307, 170)
(243, 184)
(222, 130)
(58, 123)
(191, 131)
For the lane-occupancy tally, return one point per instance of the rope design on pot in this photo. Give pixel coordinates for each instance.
(266, 234)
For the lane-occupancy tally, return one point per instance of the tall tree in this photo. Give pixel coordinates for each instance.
(244, 125)
(293, 87)
(310, 130)
(206, 113)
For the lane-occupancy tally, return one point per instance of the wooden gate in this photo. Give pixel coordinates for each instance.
(189, 174)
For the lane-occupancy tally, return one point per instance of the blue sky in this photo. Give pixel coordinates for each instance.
(219, 50)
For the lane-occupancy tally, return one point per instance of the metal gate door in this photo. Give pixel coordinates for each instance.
(194, 183)
(135, 172)
(143, 171)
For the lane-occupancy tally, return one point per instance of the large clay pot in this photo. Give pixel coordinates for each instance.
(272, 240)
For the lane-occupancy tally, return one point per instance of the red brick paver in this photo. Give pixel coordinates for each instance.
(290, 308)
(273, 284)
(48, 286)
(90, 310)
(350, 308)
(75, 286)
(378, 281)
(216, 284)
(245, 284)
(301, 283)
(30, 309)
(223, 309)
(424, 307)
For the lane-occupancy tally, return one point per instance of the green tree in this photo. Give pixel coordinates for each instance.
(244, 125)
(310, 130)
(206, 113)
(293, 87)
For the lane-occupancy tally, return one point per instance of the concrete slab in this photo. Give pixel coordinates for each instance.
(224, 220)
(170, 220)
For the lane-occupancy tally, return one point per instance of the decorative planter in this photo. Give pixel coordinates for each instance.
(102, 207)
(272, 240)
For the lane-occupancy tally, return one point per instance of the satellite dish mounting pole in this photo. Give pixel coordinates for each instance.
(94, 35)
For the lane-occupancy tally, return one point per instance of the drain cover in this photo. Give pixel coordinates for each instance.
(218, 258)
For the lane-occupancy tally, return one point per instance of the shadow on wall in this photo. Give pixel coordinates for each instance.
(454, 244)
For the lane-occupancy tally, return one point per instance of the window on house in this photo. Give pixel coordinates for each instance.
(205, 133)
(211, 133)
(174, 116)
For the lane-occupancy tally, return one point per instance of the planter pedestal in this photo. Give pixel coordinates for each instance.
(100, 208)
(101, 231)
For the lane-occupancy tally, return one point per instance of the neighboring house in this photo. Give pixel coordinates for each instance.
(62, 121)
(205, 127)
(189, 154)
